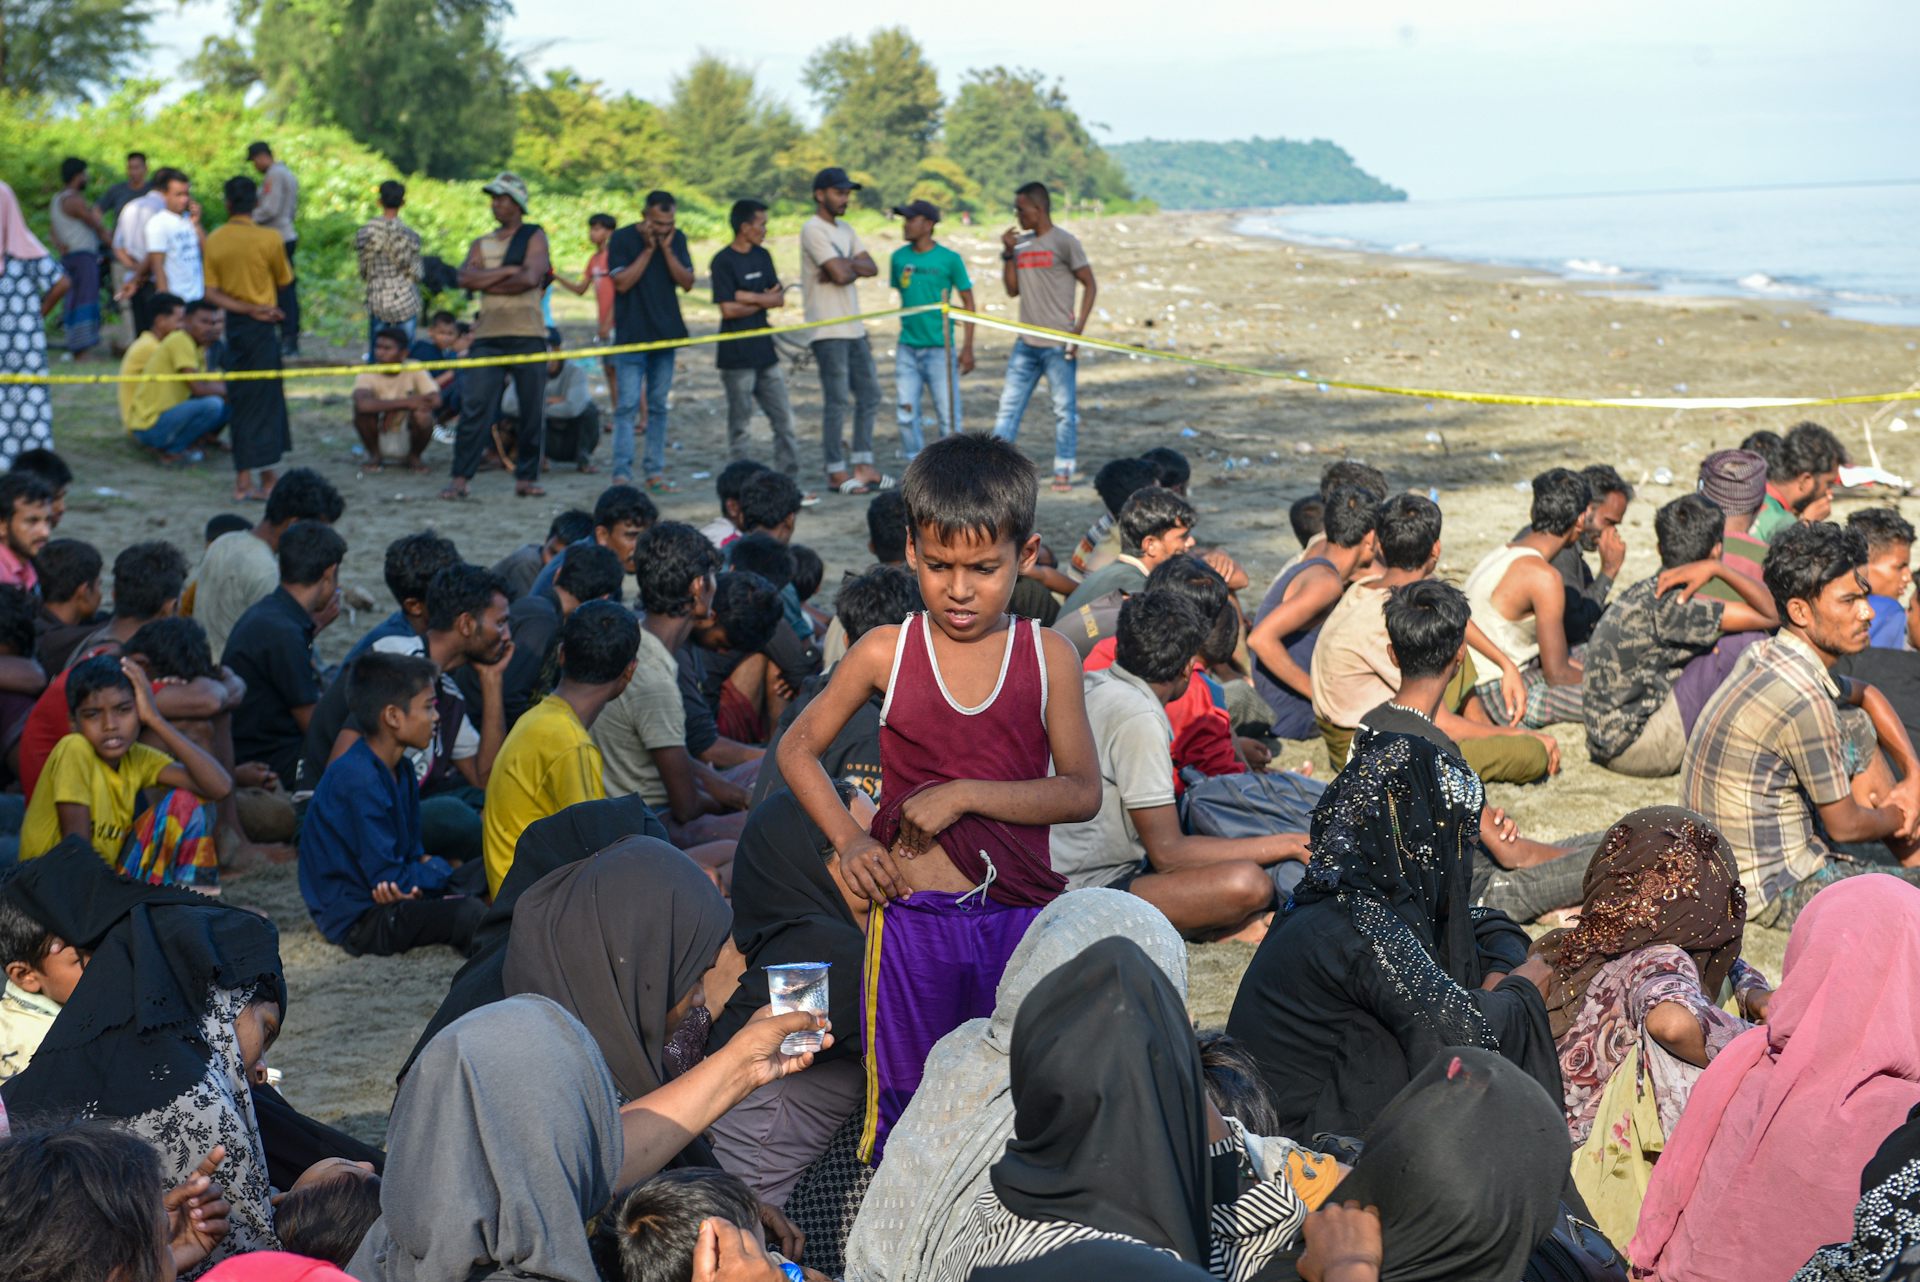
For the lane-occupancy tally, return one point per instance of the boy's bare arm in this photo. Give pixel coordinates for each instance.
(76, 818)
(193, 768)
(863, 671)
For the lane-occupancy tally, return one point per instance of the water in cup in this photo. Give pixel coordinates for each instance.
(799, 986)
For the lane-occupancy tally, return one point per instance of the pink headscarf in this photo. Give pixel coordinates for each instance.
(273, 1266)
(1764, 1166)
(16, 238)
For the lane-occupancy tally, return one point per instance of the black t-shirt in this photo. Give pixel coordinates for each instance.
(271, 649)
(650, 311)
(854, 754)
(703, 729)
(1389, 718)
(752, 273)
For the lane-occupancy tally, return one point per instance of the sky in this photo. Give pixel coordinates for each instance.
(1460, 99)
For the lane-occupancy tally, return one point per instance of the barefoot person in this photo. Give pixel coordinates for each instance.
(246, 268)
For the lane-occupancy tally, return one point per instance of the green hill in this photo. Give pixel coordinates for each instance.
(1258, 171)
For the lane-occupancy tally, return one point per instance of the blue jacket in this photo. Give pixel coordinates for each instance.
(362, 827)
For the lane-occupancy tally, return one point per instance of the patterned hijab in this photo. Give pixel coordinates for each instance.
(1393, 838)
(1663, 875)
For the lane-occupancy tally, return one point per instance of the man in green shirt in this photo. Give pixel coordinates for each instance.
(1801, 487)
(924, 272)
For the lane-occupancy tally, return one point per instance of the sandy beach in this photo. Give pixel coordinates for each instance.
(1186, 281)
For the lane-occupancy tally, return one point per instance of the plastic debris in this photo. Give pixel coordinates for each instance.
(1433, 437)
(1898, 424)
(1496, 456)
(1663, 476)
(702, 476)
(1513, 333)
(1189, 433)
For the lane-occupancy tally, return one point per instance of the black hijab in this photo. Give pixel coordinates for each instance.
(1107, 1260)
(1886, 1224)
(1110, 1109)
(129, 1040)
(787, 908)
(1467, 1166)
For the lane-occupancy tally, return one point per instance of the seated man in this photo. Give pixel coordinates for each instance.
(26, 526)
(1519, 601)
(1889, 539)
(241, 568)
(1586, 591)
(394, 413)
(549, 761)
(1736, 481)
(748, 606)
(1308, 521)
(749, 690)
(1801, 487)
(591, 573)
(520, 567)
(1287, 625)
(620, 515)
(728, 484)
(887, 541)
(1656, 631)
(1353, 669)
(1115, 483)
(69, 600)
(411, 562)
(573, 420)
(1786, 758)
(1204, 885)
(368, 882)
(169, 416)
(271, 649)
(1154, 525)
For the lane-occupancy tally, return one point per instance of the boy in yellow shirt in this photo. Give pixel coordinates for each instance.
(93, 779)
(548, 762)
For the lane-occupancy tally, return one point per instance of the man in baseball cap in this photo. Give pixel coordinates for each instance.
(832, 260)
(509, 185)
(834, 178)
(925, 364)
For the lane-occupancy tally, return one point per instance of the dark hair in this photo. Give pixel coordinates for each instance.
(200, 305)
(378, 679)
(1350, 471)
(884, 595)
(591, 573)
(1687, 529)
(242, 194)
(571, 526)
(328, 1221)
(1037, 193)
(1349, 516)
(145, 577)
(1120, 480)
(65, 566)
(412, 561)
(18, 611)
(462, 589)
(258, 149)
(165, 177)
(22, 938)
(619, 504)
(766, 499)
(442, 318)
(597, 642)
(887, 527)
(47, 465)
(71, 168)
(747, 606)
(1158, 635)
(22, 487)
(395, 335)
(174, 647)
(607, 221)
(1604, 479)
(304, 495)
(1427, 623)
(762, 554)
(82, 1204)
(1408, 526)
(1561, 496)
(1808, 555)
(90, 676)
(1206, 591)
(652, 1235)
(1810, 448)
(742, 213)
(658, 200)
(137, 155)
(809, 571)
(308, 550)
(1150, 513)
(224, 523)
(1170, 466)
(1308, 517)
(1770, 447)
(1235, 1084)
(1881, 527)
(971, 483)
(732, 477)
(393, 194)
(670, 562)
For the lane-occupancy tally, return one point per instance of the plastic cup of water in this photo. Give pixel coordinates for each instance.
(799, 986)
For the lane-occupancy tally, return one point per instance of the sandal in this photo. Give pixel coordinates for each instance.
(661, 485)
(454, 493)
(809, 499)
(852, 487)
(1062, 482)
(884, 484)
(587, 467)
(529, 490)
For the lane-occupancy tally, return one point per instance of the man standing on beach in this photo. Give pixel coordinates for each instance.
(746, 288)
(246, 272)
(647, 262)
(119, 197)
(832, 261)
(279, 203)
(925, 362)
(1041, 269)
(388, 252)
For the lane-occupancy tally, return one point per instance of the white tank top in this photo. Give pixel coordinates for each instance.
(1520, 640)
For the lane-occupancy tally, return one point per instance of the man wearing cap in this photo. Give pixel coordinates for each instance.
(646, 261)
(924, 272)
(509, 268)
(832, 261)
(1041, 269)
(1736, 481)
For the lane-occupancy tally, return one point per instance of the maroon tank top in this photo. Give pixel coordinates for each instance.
(927, 738)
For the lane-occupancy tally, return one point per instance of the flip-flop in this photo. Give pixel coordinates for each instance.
(852, 487)
(809, 499)
(661, 485)
(452, 495)
(884, 483)
(529, 492)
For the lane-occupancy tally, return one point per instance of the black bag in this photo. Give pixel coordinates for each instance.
(1576, 1251)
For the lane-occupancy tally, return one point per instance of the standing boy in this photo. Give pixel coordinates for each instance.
(746, 288)
(978, 705)
(1041, 269)
(924, 272)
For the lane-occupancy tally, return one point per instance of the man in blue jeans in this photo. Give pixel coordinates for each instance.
(1041, 265)
(646, 261)
(833, 261)
(170, 416)
(925, 363)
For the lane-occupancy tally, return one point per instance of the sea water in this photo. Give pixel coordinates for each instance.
(1848, 249)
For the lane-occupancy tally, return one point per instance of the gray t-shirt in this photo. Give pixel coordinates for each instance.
(647, 715)
(1133, 741)
(1046, 265)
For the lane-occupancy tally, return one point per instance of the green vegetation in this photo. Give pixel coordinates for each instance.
(1259, 171)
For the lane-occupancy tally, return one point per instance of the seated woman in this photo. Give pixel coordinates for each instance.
(789, 905)
(1784, 1116)
(1379, 961)
(1886, 1224)
(1635, 986)
(1104, 1064)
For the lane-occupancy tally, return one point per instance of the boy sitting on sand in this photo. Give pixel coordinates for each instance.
(976, 702)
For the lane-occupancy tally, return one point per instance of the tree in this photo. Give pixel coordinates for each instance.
(880, 108)
(1007, 127)
(949, 187)
(574, 137)
(65, 49)
(731, 137)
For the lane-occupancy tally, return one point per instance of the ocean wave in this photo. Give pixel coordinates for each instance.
(1593, 267)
